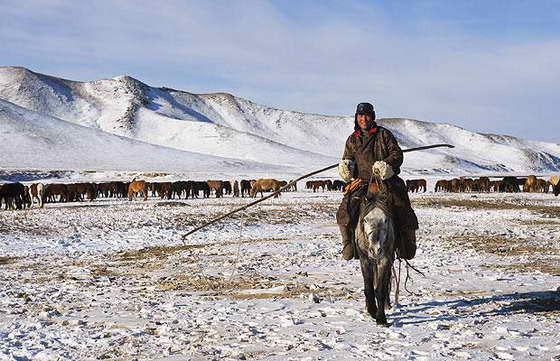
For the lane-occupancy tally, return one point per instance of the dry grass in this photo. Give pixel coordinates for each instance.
(6, 260)
(153, 175)
(540, 222)
(463, 293)
(510, 247)
(196, 282)
(155, 252)
(552, 211)
(28, 228)
(163, 252)
(289, 214)
(100, 271)
(273, 216)
(503, 246)
(233, 287)
(544, 265)
(172, 204)
(292, 291)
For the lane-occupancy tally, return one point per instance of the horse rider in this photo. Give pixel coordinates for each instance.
(372, 149)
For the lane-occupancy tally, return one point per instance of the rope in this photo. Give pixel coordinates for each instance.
(408, 265)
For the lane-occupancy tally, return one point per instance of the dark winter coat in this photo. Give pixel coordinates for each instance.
(380, 144)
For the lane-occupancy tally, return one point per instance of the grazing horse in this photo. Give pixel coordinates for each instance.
(542, 185)
(338, 185)
(530, 184)
(14, 195)
(217, 186)
(375, 241)
(315, 185)
(53, 190)
(245, 187)
(197, 186)
(416, 185)
(442, 185)
(37, 192)
(264, 185)
(135, 187)
(483, 184)
(509, 185)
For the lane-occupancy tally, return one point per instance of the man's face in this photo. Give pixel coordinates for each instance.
(364, 120)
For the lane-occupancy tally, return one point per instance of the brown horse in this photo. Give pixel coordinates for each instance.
(315, 185)
(137, 187)
(217, 186)
(530, 184)
(442, 185)
(53, 190)
(542, 186)
(483, 184)
(416, 185)
(264, 185)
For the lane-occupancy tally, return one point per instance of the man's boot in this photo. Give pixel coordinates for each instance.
(347, 243)
(407, 249)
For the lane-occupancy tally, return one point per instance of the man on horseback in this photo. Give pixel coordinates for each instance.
(372, 149)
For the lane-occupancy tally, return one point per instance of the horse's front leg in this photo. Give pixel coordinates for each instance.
(367, 273)
(380, 234)
(383, 277)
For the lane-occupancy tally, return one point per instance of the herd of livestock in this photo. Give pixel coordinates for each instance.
(19, 196)
(510, 184)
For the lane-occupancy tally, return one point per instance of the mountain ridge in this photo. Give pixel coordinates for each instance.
(221, 124)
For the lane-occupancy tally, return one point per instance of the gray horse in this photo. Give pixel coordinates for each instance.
(375, 240)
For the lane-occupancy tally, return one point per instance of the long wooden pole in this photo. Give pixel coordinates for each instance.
(290, 184)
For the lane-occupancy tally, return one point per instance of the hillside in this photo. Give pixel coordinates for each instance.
(31, 140)
(221, 124)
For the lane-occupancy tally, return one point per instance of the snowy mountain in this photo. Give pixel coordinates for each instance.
(31, 140)
(223, 125)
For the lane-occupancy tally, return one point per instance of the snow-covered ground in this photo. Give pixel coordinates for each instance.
(111, 279)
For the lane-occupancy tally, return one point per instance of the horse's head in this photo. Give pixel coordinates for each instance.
(378, 233)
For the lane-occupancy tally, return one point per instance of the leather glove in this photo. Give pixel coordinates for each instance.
(346, 169)
(382, 170)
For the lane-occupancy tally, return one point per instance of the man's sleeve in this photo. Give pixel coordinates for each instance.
(348, 150)
(395, 157)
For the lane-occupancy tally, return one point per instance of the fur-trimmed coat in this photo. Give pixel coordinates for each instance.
(380, 144)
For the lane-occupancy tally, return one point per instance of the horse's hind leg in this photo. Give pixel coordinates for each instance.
(367, 273)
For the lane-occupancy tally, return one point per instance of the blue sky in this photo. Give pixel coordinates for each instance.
(488, 66)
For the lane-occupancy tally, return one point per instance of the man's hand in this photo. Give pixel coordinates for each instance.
(382, 170)
(346, 169)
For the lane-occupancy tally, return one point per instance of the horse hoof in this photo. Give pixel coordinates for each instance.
(382, 323)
